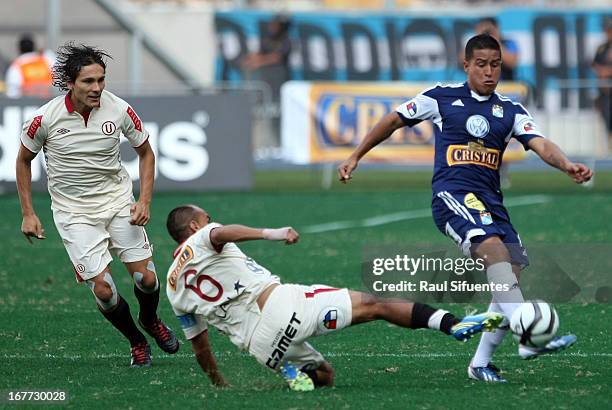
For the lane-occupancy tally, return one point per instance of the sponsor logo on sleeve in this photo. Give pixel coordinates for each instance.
(135, 119)
(34, 126)
(528, 126)
(412, 108)
(183, 258)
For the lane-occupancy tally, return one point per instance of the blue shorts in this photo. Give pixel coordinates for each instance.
(470, 218)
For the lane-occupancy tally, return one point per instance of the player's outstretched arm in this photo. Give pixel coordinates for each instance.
(206, 360)
(553, 156)
(140, 212)
(30, 226)
(240, 233)
(381, 131)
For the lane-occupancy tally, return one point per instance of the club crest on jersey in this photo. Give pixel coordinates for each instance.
(477, 126)
(498, 111)
(183, 258)
(109, 128)
(412, 108)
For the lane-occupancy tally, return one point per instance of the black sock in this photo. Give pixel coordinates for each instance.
(421, 313)
(448, 321)
(121, 318)
(148, 305)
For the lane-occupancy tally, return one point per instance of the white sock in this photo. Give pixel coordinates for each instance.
(508, 301)
(488, 342)
(436, 319)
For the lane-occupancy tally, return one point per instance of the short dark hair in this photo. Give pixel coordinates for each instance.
(480, 42)
(178, 222)
(26, 44)
(490, 20)
(71, 58)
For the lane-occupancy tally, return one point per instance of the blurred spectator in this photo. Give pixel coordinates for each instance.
(602, 64)
(31, 73)
(271, 63)
(509, 48)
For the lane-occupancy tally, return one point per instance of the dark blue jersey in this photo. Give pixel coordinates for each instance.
(472, 132)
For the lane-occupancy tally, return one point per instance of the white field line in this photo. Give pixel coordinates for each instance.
(428, 355)
(406, 215)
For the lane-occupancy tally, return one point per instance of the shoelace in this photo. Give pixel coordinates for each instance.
(160, 329)
(139, 352)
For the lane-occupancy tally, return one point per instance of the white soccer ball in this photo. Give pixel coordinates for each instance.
(535, 323)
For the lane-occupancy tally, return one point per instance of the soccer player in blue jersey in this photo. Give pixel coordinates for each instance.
(473, 125)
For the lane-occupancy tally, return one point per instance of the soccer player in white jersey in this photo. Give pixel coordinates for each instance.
(473, 125)
(212, 282)
(91, 192)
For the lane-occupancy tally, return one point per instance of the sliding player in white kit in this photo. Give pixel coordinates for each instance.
(212, 282)
(91, 192)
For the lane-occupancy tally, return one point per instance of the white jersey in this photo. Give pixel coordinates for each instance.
(82, 154)
(216, 286)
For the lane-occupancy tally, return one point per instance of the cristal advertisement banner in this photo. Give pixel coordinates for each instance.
(200, 144)
(553, 44)
(324, 122)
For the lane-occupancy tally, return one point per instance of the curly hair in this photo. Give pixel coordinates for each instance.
(71, 58)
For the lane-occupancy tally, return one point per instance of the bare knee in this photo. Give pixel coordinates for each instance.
(492, 250)
(149, 280)
(144, 275)
(104, 290)
(366, 307)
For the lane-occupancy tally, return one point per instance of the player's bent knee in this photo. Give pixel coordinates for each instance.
(104, 290)
(146, 280)
(492, 250)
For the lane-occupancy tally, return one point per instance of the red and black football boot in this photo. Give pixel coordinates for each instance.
(163, 335)
(141, 355)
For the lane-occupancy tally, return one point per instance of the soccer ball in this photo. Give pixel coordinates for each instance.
(534, 323)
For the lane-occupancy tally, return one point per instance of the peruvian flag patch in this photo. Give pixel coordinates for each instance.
(36, 123)
(135, 119)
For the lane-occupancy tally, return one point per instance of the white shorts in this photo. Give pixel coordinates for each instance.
(89, 239)
(292, 314)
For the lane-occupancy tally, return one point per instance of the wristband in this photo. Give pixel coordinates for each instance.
(279, 234)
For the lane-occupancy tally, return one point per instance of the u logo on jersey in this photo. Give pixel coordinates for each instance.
(109, 128)
(477, 126)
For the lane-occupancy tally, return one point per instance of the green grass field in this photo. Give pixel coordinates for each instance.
(53, 338)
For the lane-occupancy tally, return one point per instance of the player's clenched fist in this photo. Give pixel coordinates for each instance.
(579, 172)
(140, 214)
(31, 227)
(345, 169)
(287, 234)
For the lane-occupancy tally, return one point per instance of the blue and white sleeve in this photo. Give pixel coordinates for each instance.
(525, 128)
(421, 107)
